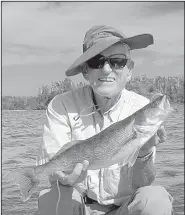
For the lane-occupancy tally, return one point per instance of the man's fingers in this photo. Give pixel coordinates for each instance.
(78, 172)
(70, 179)
(85, 165)
(58, 175)
(83, 174)
(161, 133)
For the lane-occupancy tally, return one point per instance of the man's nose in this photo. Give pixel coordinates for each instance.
(106, 68)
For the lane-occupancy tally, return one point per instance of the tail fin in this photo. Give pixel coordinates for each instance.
(27, 182)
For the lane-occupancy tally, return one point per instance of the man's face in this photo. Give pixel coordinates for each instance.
(109, 80)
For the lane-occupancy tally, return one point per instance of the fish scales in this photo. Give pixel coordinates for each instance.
(120, 142)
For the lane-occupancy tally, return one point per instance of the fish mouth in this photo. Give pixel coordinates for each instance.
(109, 80)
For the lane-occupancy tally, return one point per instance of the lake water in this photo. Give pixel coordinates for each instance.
(22, 134)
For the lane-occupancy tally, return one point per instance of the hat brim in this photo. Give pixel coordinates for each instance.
(135, 42)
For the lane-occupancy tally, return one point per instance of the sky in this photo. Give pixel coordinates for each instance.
(40, 40)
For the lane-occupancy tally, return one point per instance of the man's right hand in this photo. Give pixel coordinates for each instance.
(79, 173)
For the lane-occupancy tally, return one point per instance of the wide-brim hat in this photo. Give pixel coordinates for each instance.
(101, 37)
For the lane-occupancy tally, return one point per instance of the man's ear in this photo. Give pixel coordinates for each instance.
(84, 69)
(85, 75)
(129, 75)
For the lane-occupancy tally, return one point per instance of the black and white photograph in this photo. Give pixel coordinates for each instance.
(92, 116)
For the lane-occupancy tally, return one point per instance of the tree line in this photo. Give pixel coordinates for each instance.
(173, 87)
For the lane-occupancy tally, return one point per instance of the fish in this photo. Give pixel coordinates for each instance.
(120, 142)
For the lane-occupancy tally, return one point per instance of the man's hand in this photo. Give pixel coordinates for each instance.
(161, 133)
(79, 173)
(159, 137)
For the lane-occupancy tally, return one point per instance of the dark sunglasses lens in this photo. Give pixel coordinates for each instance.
(95, 62)
(118, 62)
(98, 61)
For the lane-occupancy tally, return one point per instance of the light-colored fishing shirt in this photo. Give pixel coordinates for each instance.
(73, 116)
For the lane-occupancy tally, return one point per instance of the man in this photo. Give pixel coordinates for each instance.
(118, 190)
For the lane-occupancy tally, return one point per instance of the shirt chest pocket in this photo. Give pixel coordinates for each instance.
(82, 128)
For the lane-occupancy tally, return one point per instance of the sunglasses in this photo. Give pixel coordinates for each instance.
(116, 61)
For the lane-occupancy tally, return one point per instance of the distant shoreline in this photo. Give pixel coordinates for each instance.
(173, 104)
(173, 87)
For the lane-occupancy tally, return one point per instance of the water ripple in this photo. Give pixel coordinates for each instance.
(22, 135)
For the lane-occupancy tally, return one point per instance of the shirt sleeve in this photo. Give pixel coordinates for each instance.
(57, 131)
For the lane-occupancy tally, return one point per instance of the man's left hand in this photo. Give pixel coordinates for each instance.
(159, 137)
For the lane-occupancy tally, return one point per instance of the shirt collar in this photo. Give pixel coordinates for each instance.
(114, 111)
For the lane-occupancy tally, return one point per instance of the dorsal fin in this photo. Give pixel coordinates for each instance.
(67, 146)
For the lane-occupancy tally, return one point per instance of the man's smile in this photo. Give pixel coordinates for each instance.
(106, 79)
